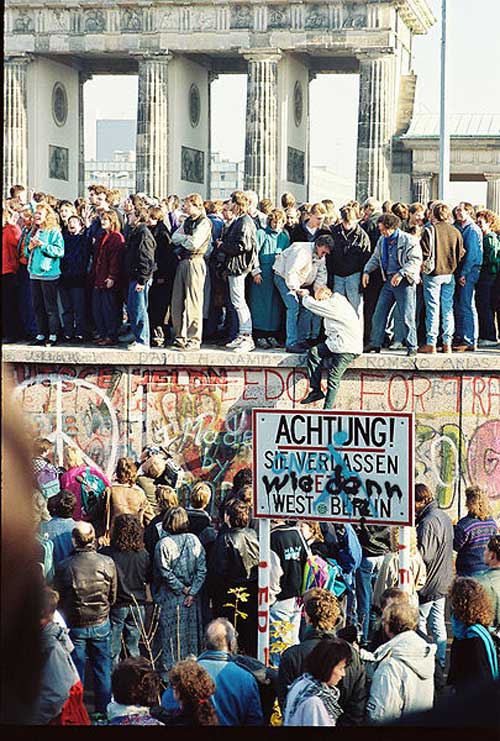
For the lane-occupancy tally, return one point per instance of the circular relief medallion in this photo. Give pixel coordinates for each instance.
(194, 105)
(59, 104)
(298, 103)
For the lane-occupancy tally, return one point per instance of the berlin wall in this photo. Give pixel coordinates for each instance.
(204, 415)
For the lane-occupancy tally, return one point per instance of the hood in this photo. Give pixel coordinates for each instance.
(411, 650)
(53, 632)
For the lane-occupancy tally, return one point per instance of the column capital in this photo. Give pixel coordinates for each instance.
(152, 56)
(261, 54)
(491, 176)
(18, 58)
(422, 176)
(374, 55)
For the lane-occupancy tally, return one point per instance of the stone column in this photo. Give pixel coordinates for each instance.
(211, 77)
(15, 122)
(421, 187)
(376, 126)
(493, 192)
(152, 126)
(82, 79)
(261, 140)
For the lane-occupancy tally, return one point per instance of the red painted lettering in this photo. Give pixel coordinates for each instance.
(390, 402)
(364, 392)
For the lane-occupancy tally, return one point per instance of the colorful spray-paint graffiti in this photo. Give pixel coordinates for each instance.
(203, 416)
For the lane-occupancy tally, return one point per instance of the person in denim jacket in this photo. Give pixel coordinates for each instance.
(466, 321)
(399, 257)
(44, 251)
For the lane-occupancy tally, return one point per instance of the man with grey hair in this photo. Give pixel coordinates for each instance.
(258, 217)
(236, 698)
(87, 585)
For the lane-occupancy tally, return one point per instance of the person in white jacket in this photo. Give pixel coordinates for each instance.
(299, 266)
(403, 682)
(344, 342)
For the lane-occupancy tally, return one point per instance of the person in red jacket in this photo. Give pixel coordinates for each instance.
(107, 278)
(11, 234)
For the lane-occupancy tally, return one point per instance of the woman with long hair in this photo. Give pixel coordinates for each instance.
(179, 572)
(473, 532)
(473, 658)
(107, 279)
(132, 563)
(84, 481)
(44, 252)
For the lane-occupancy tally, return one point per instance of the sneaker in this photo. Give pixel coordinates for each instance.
(313, 395)
(273, 342)
(133, 346)
(487, 343)
(246, 345)
(235, 343)
(412, 352)
(263, 343)
(397, 346)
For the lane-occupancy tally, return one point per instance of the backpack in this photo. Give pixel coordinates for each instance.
(323, 575)
(92, 489)
(429, 264)
(48, 481)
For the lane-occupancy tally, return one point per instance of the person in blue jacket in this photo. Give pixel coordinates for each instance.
(44, 252)
(236, 699)
(466, 319)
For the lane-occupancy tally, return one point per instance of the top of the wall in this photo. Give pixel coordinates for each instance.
(478, 361)
(208, 26)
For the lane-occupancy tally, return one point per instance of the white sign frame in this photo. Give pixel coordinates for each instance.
(399, 431)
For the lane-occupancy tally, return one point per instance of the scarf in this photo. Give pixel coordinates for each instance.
(462, 632)
(314, 688)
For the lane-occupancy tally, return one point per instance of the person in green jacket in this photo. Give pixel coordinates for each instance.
(489, 223)
(44, 251)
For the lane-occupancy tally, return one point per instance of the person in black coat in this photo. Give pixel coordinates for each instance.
(160, 294)
(310, 229)
(348, 256)
(139, 267)
(322, 615)
(233, 563)
(473, 656)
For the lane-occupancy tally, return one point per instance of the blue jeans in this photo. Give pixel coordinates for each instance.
(337, 364)
(94, 643)
(432, 613)
(350, 287)
(405, 296)
(365, 579)
(73, 309)
(126, 621)
(466, 322)
(438, 296)
(297, 324)
(137, 310)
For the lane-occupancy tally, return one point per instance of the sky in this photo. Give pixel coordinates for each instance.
(473, 85)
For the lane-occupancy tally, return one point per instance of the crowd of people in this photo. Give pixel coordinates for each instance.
(151, 588)
(245, 273)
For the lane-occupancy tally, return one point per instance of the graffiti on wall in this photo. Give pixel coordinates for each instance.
(203, 416)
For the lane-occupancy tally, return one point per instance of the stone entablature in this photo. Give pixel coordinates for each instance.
(290, 23)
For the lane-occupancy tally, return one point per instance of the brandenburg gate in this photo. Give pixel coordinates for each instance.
(177, 48)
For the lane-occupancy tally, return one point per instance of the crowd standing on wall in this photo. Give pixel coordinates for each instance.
(152, 587)
(243, 274)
